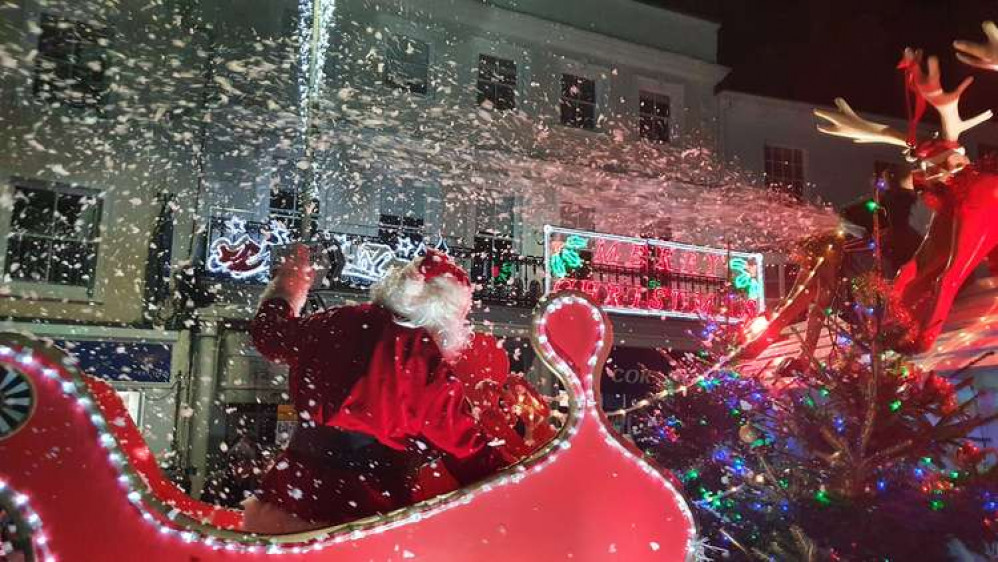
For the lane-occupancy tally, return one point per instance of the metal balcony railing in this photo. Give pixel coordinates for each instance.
(239, 252)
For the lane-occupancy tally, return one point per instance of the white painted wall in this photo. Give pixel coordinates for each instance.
(837, 170)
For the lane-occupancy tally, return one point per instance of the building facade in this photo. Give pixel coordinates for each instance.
(155, 160)
(89, 168)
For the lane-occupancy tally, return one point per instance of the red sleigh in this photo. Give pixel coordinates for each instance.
(77, 474)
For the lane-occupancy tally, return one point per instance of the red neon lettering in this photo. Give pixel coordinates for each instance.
(591, 288)
(637, 297)
(656, 301)
(638, 258)
(663, 261)
(607, 252)
(714, 263)
(614, 292)
(689, 262)
(707, 304)
(564, 284)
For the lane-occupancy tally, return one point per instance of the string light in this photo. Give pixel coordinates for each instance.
(591, 405)
(174, 525)
(22, 505)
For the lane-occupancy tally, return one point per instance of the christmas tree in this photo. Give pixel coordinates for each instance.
(853, 453)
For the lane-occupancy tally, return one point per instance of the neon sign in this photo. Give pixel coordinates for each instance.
(240, 250)
(365, 261)
(244, 254)
(654, 277)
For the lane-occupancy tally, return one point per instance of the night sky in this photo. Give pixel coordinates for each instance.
(813, 51)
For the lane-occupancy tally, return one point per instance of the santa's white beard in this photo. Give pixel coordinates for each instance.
(441, 306)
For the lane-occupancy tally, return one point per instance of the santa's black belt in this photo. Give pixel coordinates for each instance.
(315, 441)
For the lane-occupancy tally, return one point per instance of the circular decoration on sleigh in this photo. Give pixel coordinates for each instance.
(17, 401)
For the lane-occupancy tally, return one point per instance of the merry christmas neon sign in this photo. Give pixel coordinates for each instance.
(654, 277)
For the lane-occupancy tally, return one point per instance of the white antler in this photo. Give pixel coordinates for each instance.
(946, 103)
(845, 123)
(980, 55)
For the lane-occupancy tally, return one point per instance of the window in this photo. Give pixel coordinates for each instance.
(578, 217)
(772, 282)
(286, 208)
(653, 117)
(53, 236)
(403, 212)
(496, 82)
(407, 64)
(495, 217)
(71, 63)
(578, 102)
(785, 169)
(493, 260)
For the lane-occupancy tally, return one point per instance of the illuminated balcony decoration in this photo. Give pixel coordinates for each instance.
(650, 277)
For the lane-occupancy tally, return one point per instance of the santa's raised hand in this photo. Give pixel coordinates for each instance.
(292, 277)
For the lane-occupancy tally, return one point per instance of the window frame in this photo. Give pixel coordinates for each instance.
(292, 218)
(564, 101)
(47, 290)
(494, 203)
(643, 115)
(392, 40)
(62, 96)
(496, 82)
(793, 185)
(406, 219)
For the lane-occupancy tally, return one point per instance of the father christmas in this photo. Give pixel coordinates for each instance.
(369, 382)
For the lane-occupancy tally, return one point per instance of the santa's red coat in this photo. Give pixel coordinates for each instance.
(357, 369)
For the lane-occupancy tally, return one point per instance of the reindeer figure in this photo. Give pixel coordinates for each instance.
(963, 230)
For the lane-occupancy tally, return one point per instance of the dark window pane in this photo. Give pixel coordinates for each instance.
(407, 64)
(283, 200)
(578, 102)
(577, 114)
(71, 62)
(505, 98)
(33, 209)
(391, 221)
(578, 88)
(653, 117)
(507, 72)
(497, 82)
(60, 247)
(569, 113)
(70, 264)
(568, 86)
(27, 258)
(784, 168)
(486, 92)
(75, 216)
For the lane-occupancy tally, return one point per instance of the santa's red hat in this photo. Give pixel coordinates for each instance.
(438, 264)
(431, 292)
